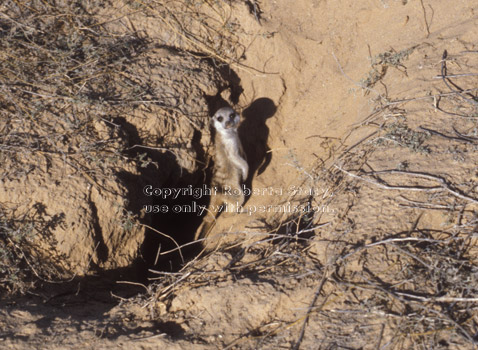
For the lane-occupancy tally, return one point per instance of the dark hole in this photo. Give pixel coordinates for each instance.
(177, 220)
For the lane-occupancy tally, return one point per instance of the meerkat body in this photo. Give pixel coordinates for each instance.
(230, 169)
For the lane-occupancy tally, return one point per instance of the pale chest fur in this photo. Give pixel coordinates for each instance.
(230, 164)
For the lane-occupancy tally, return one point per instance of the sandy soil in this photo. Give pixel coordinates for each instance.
(345, 113)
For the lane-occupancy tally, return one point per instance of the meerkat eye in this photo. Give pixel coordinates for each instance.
(219, 119)
(232, 116)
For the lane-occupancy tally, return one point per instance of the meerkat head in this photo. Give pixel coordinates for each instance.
(225, 119)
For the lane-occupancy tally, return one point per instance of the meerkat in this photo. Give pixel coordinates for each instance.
(230, 169)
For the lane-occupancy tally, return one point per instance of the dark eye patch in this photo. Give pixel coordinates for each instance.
(232, 116)
(219, 119)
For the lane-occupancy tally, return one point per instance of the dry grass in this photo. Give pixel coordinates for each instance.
(205, 27)
(61, 73)
(61, 70)
(386, 288)
(415, 287)
(68, 80)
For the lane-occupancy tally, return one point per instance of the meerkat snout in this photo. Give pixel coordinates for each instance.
(225, 118)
